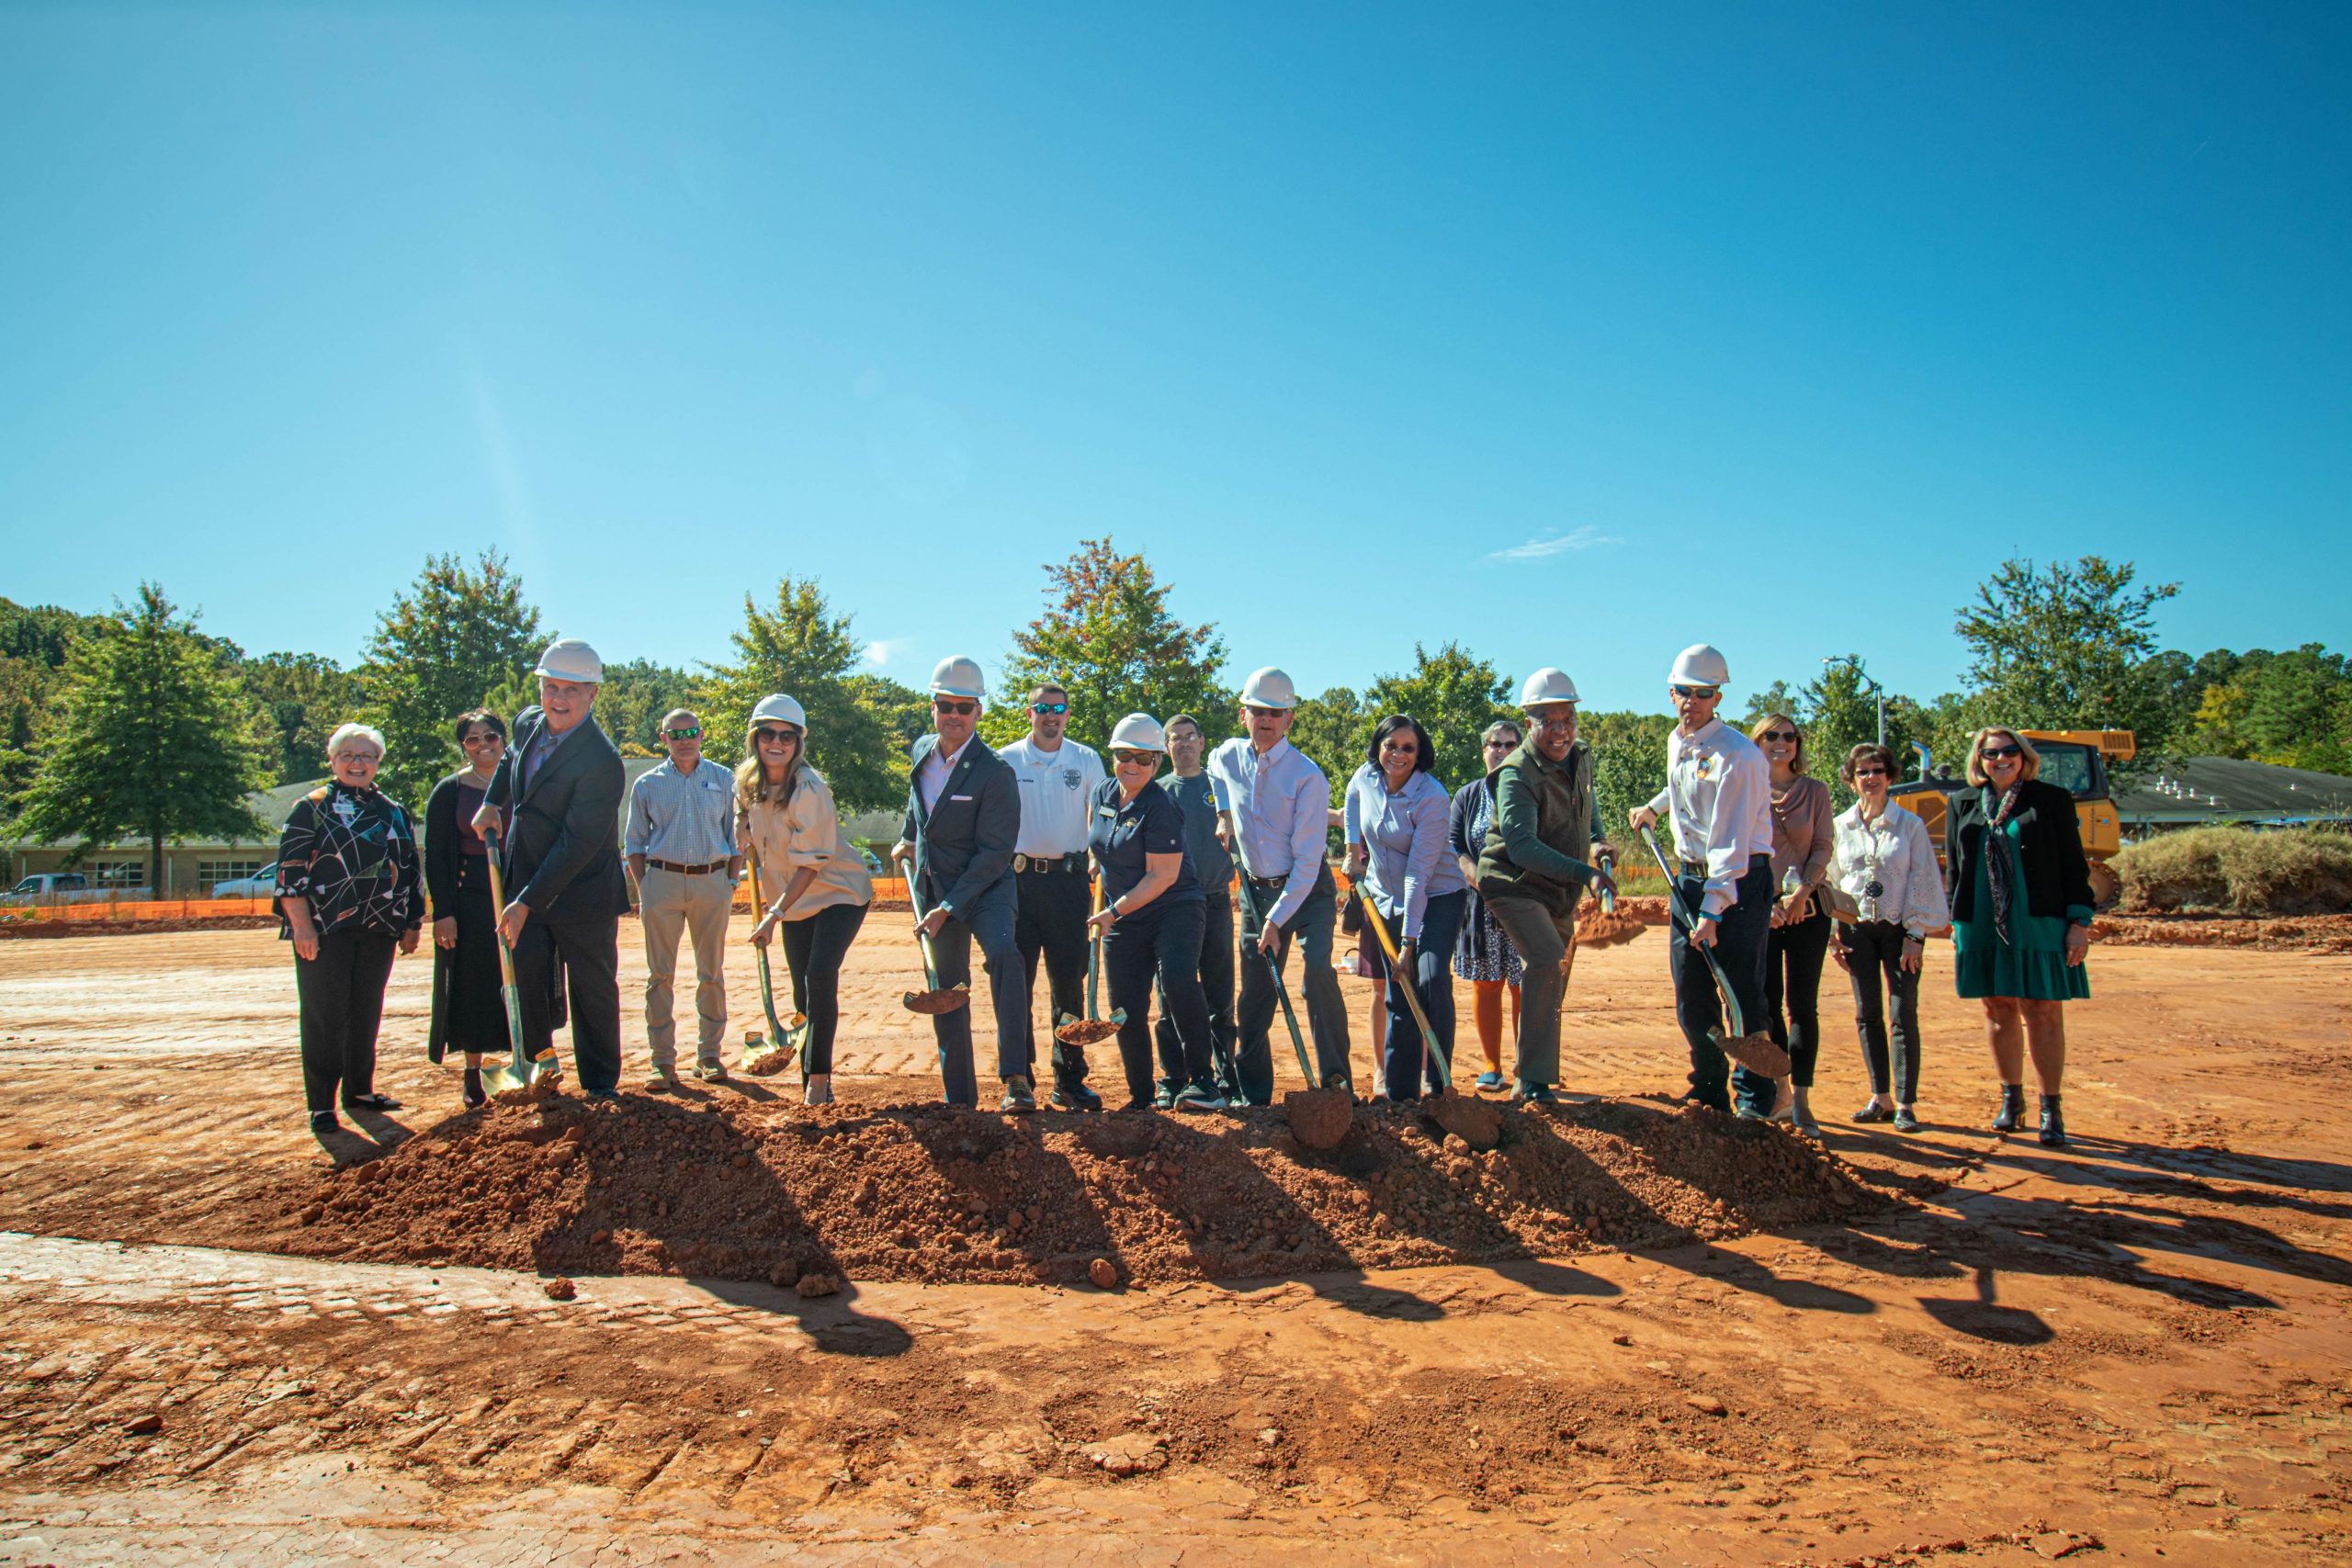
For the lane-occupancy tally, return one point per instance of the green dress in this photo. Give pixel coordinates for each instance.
(2033, 962)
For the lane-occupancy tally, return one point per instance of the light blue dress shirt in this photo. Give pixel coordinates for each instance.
(684, 819)
(1280, 805)
(1404, 835)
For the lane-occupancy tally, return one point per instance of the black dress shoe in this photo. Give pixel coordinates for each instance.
(1904, 1121)
(2053, 1124)
(474, 1094)
(1873, 1111)
(324, 1122)
(370, 1103)
(2012, 1110)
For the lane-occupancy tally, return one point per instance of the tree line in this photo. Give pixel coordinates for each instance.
(138, 725)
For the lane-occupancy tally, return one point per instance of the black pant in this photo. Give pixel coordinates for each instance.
(342, 995)
(1874, 957)
(1432, 983)
(1327, 1010)
(1739, 949)
(1216, 995)
(590, 953)
(989, 920)
(814, 949)
(1162, 943)
(1051, 919)
(1793, 956)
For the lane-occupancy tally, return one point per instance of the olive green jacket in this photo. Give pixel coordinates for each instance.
(1547, 821)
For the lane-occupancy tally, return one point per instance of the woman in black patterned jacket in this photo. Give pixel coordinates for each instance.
(349, 893)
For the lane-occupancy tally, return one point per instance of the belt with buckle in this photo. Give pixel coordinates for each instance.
(1262, 882)
(687, 870)
(1043, 863)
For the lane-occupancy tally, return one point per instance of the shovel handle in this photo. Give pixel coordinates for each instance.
(759, 913)
(923, 937)
(1690, 923)
(1093, 955)
(518, 1063)
(1430, 1053)
(1282, 992)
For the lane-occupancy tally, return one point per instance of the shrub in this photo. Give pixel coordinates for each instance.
(2297, 870)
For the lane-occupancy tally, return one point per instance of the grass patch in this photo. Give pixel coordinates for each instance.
(2294, 871)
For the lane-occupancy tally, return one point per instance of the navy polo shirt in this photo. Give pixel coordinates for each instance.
(1122, 832)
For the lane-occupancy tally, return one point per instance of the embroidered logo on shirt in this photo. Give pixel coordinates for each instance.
(1069, 778)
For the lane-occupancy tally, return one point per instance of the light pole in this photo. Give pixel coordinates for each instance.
(1864, 676)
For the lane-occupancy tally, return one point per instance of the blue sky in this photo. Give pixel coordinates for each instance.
(1576, 333)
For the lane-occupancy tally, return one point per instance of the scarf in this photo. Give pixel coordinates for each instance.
(1998, 866)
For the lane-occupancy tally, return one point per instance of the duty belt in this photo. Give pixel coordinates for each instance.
(1044, 864)
(687, 870)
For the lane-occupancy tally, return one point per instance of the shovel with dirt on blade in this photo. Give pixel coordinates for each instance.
(518, 1071)
(1756, 1051)
(764, 1055)
(936, 998)
(1094, 1029)
(1319, 1117)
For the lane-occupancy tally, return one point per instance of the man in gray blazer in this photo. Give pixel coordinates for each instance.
(962, 817)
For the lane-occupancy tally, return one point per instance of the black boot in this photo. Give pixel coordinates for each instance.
(2053, 1125)
(2012, 1107)
(474, 1095)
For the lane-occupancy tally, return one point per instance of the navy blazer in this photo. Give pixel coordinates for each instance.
(562, 856)
(964, 844)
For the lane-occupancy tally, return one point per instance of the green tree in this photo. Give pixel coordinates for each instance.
(2293, 709)
(1774, 698)
(800, 648)
(1839, 711)
(152, 739)
(305, 697)
(2069, 647)
(1333, 729)
(444, 646)
(1628, 769)
(16, 760)
(635, 695)
(1455, 697)
(1107, 637)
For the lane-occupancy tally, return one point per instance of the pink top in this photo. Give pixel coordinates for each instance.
(1803, 832)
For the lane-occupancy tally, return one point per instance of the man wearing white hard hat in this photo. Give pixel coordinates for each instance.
(680, 849)
(1719, 791)
(1274, 808)
(962, 817)
(1536, 861)
(565, 890)
(1058, 777)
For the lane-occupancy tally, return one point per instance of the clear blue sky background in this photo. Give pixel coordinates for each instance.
(1774, 325)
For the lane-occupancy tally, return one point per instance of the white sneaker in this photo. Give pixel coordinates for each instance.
(818, 1091)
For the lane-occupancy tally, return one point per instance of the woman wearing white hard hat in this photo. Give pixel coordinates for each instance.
(1153, 911)
(1535, 864)
(1396, 832)
(786, 816)
(1719, 791)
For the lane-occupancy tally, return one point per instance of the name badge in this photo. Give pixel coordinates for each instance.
(1106, 811)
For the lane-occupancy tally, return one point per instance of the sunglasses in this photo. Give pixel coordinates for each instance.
(767, 737)
(943, 705)
(1870, 772)
(1049, 708)
(1498, 744)
(689, 733)
(2005, 751)
(1700, 693)
(1133, 759)
(1788, 735)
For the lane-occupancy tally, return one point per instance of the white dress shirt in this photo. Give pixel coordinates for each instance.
(1280, 805)
(1057, 795)
(1893, 853)
(806, 832)
(1719, 788)
(932, 777)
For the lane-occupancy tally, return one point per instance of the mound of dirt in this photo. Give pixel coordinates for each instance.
(33, 930)
(2312, 933)
(923, 1193)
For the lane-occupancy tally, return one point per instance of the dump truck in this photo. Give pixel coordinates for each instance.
(2076, 762)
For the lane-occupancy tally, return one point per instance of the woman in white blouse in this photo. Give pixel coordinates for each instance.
(785, 813)
(1884, 862)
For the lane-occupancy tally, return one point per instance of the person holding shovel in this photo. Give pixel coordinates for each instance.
(1719, 791)
(1884, 862)
(955, 847)
(1537, 859)
(1152, 909)
(1396, 824)
(817, 888)
(2021, 916)
(1274, 809)
(682, 856)
(349, 896)
(469, 1014)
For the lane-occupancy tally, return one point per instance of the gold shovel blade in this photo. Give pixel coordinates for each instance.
(935, 1002)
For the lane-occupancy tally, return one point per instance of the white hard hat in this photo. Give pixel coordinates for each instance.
(781, 708)
(956, 676)
(1548, 685)
(569, 659)
(1269, 688)
(1139, 732)
(1701, 665)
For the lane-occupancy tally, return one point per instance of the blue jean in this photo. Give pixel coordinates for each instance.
(1401, 1048)
(1740, 940)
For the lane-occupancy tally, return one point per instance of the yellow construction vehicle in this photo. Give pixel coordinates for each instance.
(2073, 759)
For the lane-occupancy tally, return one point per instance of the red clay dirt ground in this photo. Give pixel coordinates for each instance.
(1625, 1333)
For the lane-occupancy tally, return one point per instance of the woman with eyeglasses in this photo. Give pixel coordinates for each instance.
(1884, 862)
(1483, 955)
(1803, 830)
(2021, 916)
(468, 1013)
(1153, 912)
(818, 886)
(1396, 831)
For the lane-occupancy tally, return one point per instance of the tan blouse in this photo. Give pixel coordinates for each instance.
(807, 831)
(1804, 832)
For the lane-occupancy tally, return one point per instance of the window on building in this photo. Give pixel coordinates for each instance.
(119, 873)
(209, 871)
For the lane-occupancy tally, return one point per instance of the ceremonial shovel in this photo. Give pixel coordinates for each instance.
(1093, 1028)
(1757, 1052)
(519, 1070)
(764, 1056)
(936, 999)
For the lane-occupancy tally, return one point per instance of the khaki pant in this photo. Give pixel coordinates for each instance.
(698, 906)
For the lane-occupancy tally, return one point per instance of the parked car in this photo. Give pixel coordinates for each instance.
(260, 884)
(67, 887)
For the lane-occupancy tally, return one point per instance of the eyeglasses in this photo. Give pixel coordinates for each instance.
(1699, 692)
(1870, 772)
(1500, 744)
(481, 738)
(943, 705)
(689, 733)
(1788, 735)
(1049, 708)
(1125, 758)
(767, 737)
(2005, 751)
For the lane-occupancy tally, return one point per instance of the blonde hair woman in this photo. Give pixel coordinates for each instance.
(785, 813)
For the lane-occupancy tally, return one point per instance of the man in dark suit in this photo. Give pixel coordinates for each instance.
(962, 817)
(565, 892)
